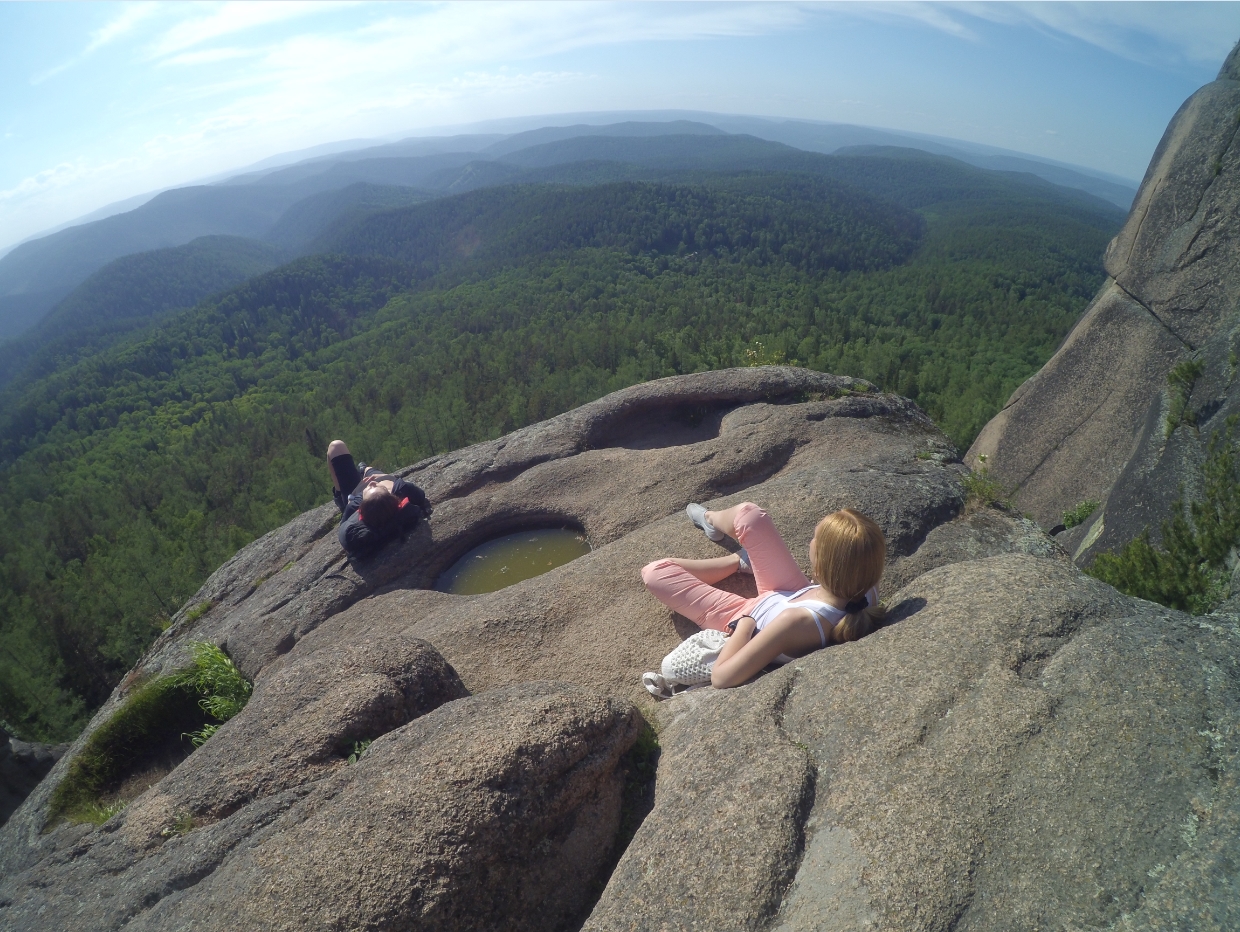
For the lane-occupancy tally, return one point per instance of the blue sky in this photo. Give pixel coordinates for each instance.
(103, 101)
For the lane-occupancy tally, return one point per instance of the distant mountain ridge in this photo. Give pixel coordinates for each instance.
(265, 203)
(130, 293)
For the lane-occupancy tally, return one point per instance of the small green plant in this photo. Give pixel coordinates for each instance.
(925, 455)
(199, 738)
(1079, 514)
(359, 748)
(217, 680)
(1216, 166)
(198, 611)
(982, 490)
(97, 813)
(1180, 381)
(183, 825)
(1190, 570)
(758, 355)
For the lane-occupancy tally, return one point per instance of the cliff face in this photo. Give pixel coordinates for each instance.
(1093, 423)
(984, 762)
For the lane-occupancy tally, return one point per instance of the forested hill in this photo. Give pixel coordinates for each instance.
(328, 212)
(130, 475)
(128, 294)
(812, 224)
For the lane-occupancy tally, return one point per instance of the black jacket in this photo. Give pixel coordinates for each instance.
(359, 539)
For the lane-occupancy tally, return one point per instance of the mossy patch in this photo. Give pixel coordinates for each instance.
(157, 726)
(146, 734)
(198, 611)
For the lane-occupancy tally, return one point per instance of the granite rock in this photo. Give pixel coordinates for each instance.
(1092, 424)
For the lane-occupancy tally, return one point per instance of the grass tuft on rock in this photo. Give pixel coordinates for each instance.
(156, 727)
(1080, 513)
(1191, 569)
(982, 490)
(1180, 381)
(215, 678)
(150, 720)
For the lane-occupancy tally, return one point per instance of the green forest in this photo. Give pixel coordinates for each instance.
(130, 474)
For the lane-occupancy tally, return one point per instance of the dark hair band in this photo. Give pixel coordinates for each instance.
(859, 604)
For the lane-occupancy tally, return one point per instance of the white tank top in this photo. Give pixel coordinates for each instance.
(771, 604)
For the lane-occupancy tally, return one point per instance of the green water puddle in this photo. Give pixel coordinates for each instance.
(506, 560)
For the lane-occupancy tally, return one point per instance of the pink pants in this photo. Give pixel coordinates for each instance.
(708, 607)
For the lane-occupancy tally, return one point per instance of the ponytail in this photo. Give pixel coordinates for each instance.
(856, 625)
(848, 554)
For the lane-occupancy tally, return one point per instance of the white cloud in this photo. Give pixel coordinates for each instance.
(228, 19)
(130, 16)
(1151, 33)
(209, 56)
(1161, 34)
(58, 176)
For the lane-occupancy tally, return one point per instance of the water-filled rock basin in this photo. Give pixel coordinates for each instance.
(506, 560)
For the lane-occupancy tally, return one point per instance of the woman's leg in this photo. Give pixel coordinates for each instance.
(773, 565)
(682, 591)
(713, 570)
(345, 476)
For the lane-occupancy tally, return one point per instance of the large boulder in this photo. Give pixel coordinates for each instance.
(496, 811)
(1025, 749)
(1092, 424)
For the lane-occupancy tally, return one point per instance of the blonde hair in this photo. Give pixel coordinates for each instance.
(847, 557)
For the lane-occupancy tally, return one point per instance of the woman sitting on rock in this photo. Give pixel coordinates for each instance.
(790, 616)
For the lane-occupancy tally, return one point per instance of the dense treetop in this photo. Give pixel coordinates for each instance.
(129, 293)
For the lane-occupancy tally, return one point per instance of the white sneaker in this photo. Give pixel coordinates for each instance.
(697, 514)
(743, 555)
(657, 686)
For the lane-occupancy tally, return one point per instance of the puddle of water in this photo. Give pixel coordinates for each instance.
(509, 559)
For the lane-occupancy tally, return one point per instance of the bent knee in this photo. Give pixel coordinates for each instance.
(653, 572)
(747, 513)
(336, 448)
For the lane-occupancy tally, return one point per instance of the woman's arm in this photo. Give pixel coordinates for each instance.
(793, 632)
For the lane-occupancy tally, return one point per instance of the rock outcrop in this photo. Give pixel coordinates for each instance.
(1021, 747)
(1093, 423)
(1027, 749)
(22, 765)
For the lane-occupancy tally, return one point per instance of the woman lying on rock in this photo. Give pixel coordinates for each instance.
(375, 507)
(790, 616)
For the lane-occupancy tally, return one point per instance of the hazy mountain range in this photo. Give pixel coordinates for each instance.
(291, 201)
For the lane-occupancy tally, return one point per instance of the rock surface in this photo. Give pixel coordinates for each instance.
(1092, 424)
(342, 652)
(984, 762)
(491, 811)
